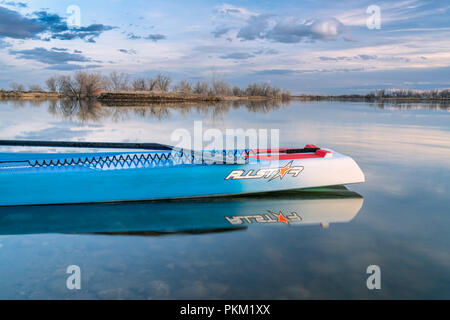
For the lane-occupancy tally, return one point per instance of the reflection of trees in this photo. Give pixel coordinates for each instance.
(93, 111)
(26, 103)
(264, 106)
(84, 111)
(435, 105)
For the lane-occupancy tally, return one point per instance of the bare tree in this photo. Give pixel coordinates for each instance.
(151, 84)
(51, 84)
(273, 92)
(221, 88)
(138, 84)
(163, 82)
(118, 81)
(201, 88)
(285, 95)
(262, 89)
(35, 87)
(237, 91)
(183, 86)
(66, 87)
(82, 85)
(89, 85)
(17, 86)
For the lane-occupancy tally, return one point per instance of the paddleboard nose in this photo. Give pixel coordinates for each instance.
(357, 175)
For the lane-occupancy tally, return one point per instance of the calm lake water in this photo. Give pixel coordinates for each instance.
(399, 219)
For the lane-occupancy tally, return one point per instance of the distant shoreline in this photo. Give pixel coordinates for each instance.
(366, 98)
(123, 97)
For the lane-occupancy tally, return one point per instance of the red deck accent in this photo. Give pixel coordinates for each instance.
(268, 150)
(274, 154)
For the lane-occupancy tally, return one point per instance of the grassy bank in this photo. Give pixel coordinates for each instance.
(132, 97)
(28, 95)
(154, 96)
(129, 97)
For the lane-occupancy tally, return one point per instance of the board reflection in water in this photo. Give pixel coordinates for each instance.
(321, 206)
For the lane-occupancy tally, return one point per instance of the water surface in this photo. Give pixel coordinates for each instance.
(399, 219)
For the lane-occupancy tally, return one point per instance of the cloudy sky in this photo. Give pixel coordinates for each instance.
(304, 46)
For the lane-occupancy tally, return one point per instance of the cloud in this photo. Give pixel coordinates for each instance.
(220, 31)
(42, 23)
(255, 28)
(51, 22)
(15, 4)
(290, 29)
(349, 39)
(275, 72)
(129, 51)
(70, 67)
(49, 57)
(153, 37)
(329, 58)
(87, 33)
(4, 44)
(14, 25)
(238, 56)
(227, 10)
(347, 58)
(132, 36)
(59, 49)
(266, 51)
(290, 72)
(366, 57)
(209, 49)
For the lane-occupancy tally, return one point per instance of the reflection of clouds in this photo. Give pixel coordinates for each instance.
(399, 181)
(440, 257)
(434, 105)
(294, 292)
(159, 289)
(52, 133)
(115, 294)
(390, 143)
(273, 254)
(201, 290)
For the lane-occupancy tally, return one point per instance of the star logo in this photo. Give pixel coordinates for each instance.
(281, 218)
(282, 171)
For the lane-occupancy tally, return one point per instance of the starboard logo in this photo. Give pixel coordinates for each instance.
(266, 173)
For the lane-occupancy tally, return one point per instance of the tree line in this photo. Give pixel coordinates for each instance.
(411, 93)
(87, 85)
